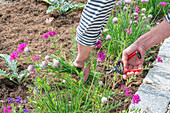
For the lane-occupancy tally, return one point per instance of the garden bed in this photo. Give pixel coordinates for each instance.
(23, 21)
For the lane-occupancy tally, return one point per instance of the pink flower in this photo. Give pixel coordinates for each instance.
(7, 110)
(127, 1)
(128, 91)
(101, 56)
(14, 55)
(150, 16)
(136, 99)
(33, 72)
(105, 30)
(143, 9)
(52, 33)
(35, 57)
(146, 0)
(98, 44)
(163, 4)
(108, 37)
(136, 18)
(128, 31)
(143, 1)
(45, 35)
(159, 59)
(137, 9)
(21, 47)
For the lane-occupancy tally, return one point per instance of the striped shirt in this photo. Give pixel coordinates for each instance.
(93, 19)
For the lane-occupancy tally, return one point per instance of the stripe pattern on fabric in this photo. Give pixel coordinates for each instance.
(168, 17)
(93, 19)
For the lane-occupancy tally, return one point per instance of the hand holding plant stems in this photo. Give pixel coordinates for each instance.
(143, 43)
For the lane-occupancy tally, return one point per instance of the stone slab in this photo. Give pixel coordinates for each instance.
(153, 100)
(164, 50)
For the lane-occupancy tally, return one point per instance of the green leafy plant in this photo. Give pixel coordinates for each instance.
(14, 76)
(63, 6)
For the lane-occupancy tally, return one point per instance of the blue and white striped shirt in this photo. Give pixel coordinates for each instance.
(93, 19)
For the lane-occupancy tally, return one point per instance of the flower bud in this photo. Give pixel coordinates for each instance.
(115, 20)
(104, 100)
(30, 68)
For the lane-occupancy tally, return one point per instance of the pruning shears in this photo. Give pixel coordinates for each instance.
(120, 62)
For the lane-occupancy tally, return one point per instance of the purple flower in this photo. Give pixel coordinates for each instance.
(98, 44)
(163, 4)
(14, 55)
(18, 100)
(136, 99)
(128, 31)
(108, 37)
(8, 109)
(21, 47)
(45, 35)
(55, 63)
(52, 33)
(118, 3)
(101, 56)
(10, 100)
(25, 110)
(128, 91)
(124, 8)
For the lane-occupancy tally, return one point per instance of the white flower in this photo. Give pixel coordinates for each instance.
(144, 17)
(143, 9)
(55, 63)
(115, 20)
(26, 50)
(30, 68)
(64, 81)
(142, 14)
(49, 20)
(146, 0)
(135, 14)
(128, 1)
(101, 83)
(44, 63)
(104, 100)
(47, 57)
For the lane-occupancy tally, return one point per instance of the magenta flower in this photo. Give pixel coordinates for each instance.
(163, 4)
(128, 31)
(137, 9)
(159, 59)
(13, 56)
(35, 57)
(21, 47)
(52, 33)
(8, 109)
(128, 91)
(98, 44)
(136, 99)
(45, 35)
(122, 86)
(136, 18)
(101, 56)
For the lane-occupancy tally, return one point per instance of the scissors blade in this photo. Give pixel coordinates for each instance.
(111, 71)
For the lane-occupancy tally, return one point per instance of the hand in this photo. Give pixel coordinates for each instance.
(134, 62)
